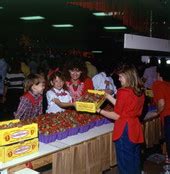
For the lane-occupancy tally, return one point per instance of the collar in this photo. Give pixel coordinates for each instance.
(58, 91)
(78, 82)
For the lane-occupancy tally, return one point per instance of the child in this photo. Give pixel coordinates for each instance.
(57, 97)
(127, 133)
(31, 102)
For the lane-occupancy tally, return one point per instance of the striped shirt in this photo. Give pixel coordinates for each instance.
(14, 81)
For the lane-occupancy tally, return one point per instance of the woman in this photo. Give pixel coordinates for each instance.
(76, 78)
(127, 132)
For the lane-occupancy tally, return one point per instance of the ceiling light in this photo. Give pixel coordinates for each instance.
(1, 7)
(32, 18)
(97, 51)
(62, 25)
(115, 28)
(168, 61)
(103, 14)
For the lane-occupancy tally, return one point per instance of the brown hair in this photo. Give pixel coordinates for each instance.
(75, 63)
(53, 77)
(132, 77)
(33, 79)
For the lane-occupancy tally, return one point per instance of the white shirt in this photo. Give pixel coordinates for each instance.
(150, 74)
(62, 95)
(100, 82)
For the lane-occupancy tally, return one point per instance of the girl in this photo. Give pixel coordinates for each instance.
(31, 102)
(57, 97)
(77, 81)
(127, 132)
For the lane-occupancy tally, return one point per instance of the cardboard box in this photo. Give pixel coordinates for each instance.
(13, 135)
(89, 106)
(17, 150)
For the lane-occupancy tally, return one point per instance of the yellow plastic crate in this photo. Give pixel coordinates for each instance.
(17, 150)
(13, 135)
(88, 106)
(10, 121)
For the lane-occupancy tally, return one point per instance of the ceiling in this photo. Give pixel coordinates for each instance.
(88, 30)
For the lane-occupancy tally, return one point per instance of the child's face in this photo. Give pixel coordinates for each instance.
(38, 89)
(122, 79)
(75, 74)
(57, 83)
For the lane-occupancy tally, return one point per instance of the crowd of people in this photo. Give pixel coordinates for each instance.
(29, 88)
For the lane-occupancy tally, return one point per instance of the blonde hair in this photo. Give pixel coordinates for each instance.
(33, 79)
(132, 78)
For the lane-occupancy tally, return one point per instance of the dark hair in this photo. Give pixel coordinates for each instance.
(15, 66)
(164, 72)
(132, 77)
(33, 79)
(75, 63)
(153, 61)
(57, 74)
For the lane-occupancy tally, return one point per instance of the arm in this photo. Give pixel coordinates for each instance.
(63, 104)
(110, 98)
(160, 105)
(111, 115)
(24, 107)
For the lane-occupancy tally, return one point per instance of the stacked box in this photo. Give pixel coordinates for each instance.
(17, 141)
(91, 106)
(20, 149)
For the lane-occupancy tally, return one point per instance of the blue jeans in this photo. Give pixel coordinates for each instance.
(128, 155)
(167, 133)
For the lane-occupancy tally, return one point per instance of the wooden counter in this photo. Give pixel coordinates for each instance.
(87, 153)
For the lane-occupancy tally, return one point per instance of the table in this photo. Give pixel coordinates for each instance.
(87, 153)
(152, 129)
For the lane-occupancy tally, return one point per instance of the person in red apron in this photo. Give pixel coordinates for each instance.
(127, 133)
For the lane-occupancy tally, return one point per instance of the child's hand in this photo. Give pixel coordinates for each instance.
(107, 95)
(56, 101)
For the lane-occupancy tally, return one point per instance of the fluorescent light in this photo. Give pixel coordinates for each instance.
(32, 18)
(62, 25)
(168, 61)
(1, 7)
(103, 14)
(97, 51)
(115, 28)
